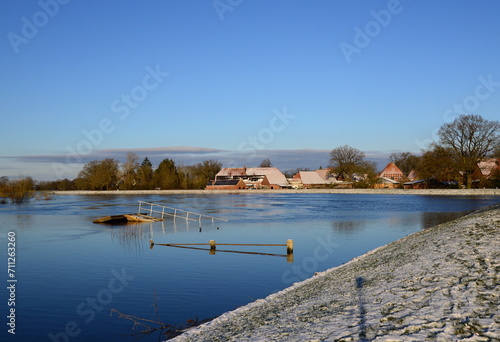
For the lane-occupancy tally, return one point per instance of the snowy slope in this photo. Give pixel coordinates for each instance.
(440, 284)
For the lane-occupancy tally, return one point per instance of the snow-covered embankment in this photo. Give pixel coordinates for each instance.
(440, 284)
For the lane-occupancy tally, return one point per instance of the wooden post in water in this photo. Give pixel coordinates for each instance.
(151, 244)
(212, 244)
(289, 250)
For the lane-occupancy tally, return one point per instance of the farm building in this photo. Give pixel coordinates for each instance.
(228, 184)
(308, 180)
(486, 168)
(326, 174)
(416, 184)
(413, 175)
(393, 172)
(386, 183)
(254, 177)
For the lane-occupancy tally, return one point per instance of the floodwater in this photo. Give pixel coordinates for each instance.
(70, 273)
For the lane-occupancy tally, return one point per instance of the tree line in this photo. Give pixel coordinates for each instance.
(109, 174)
(452, 160)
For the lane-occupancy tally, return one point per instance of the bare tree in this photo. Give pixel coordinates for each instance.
(439, 164)
(406, 161)
(496, 151)
(346, 161)
(471, 138)
(129, 171)
(266, 163)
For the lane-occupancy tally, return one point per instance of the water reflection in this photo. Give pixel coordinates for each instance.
(348, 227)
(431, 219)
(132, 236)
(396, 220)
(23, 221)
(136, 235)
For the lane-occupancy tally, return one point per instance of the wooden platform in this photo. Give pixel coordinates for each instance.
(126, 218)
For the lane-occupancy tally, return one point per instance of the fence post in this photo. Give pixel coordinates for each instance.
(289, 246)
(151, 210)
(212, 244)
(140, 202)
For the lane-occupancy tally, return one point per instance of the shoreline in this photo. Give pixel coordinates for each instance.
(427, 192)
(440, 283)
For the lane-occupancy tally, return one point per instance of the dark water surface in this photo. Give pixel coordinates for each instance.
(70, 272)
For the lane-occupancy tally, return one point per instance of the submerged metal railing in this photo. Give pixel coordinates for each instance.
(213, 248)
(164, 210)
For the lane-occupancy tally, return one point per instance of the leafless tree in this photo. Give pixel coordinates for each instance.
(347, 161)
(406, 161)
(129, 171)
(471, 138)
(266, 163)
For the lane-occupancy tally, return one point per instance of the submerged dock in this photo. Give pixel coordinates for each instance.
(156, 212)
(127, 218)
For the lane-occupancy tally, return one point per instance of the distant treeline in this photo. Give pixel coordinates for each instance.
(109, 174)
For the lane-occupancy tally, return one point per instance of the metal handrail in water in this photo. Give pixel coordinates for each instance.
(152, 207)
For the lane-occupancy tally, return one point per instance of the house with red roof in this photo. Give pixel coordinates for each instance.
(308, 180)
(391, 171)
(253, 177)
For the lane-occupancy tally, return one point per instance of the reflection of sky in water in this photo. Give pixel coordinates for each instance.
(63, 258)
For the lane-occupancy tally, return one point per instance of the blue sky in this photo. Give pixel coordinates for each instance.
(237, 80)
